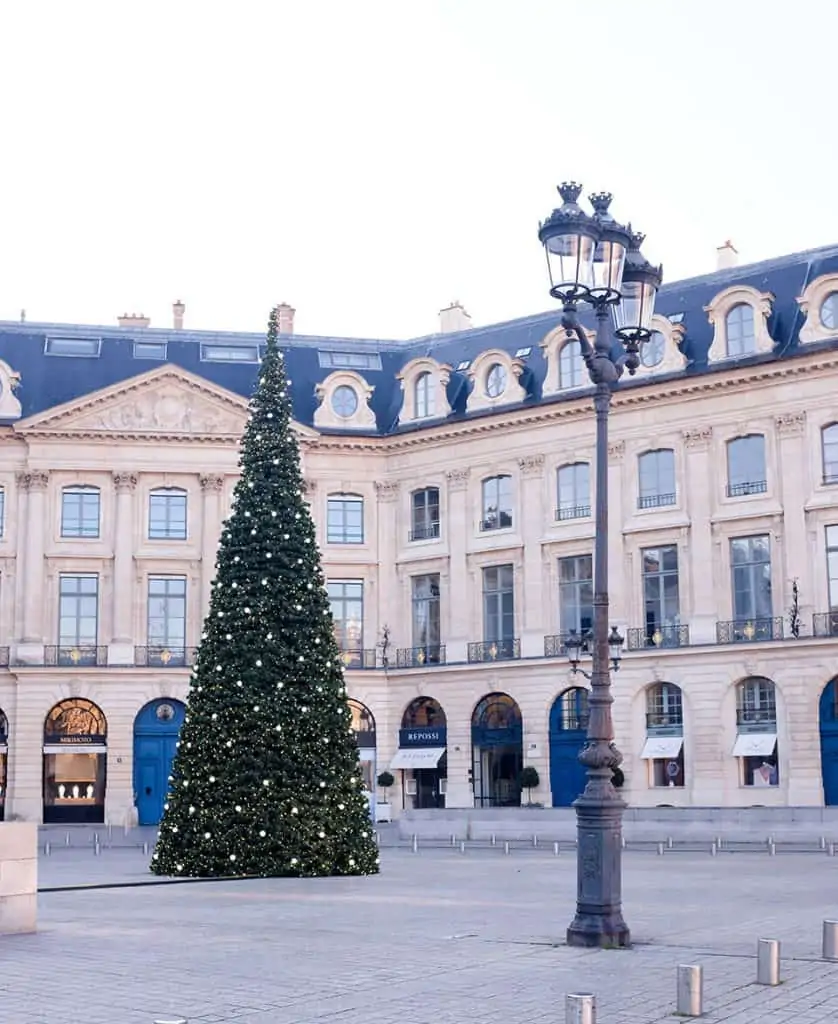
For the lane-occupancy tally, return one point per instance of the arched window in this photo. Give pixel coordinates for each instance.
(497, 751)
(740, 331)
(80, 508)
(664, 747)
(573, 710)
(425, 396)
(829, 451)
(424, 713)
(167, 514)
(746, 472)
(656, 471)
(363, 723)
(497, 503)
(572, 370)
(756, 731)
(75, 759)
(573, 484)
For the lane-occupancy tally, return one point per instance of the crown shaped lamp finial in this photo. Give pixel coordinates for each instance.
(570, 191)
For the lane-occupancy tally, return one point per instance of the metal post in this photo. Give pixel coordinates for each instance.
(555, 849)
(831, 849)
(535, 841)
(599, 810)
(67, 839)
(830, 940)
(772, 849)
(660, 849)
(47, 849)
(506, 847)
(580, 1009)
(690, 990)
(713, 849)
(768, 962)
(494, 839)
(670, 844)
(453, 839)
(145, 848)
(415, 843)
(462, 847)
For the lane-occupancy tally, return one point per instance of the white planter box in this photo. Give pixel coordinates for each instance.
(383, 812)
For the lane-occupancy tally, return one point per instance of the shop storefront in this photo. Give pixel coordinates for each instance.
(422, 755)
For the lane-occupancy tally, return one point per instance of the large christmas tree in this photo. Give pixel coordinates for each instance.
(266, 778)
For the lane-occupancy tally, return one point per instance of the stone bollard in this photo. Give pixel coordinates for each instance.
(535, 841)
(494, 839)
(660, 849)
(713, 849)
(506, 847)
(47, 849)
(772, 849)
(670, 844)
(690, 990)
(415, 843)
(555, 849)
(453, 839)
(145, 848)
(67, 839)
(580, 1008)
(768, 962)
(830, 940)
(462, 847)
(832, 849)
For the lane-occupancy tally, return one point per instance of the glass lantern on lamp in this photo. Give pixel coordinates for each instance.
(633, 313)
(610, 252)
(570, 237)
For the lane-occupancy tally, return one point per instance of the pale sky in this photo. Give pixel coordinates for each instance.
(368, 161)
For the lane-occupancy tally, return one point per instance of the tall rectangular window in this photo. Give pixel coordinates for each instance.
(750, 559)
(832, 565)
(576, 594)
(746, 465)
(78, 611)
(497, 503)
(574, 491)
(660, 594)
(167, 514)
(426, 622)
(80, 512)
(498, 604)
(167, 619)
(2, 512)
(829, 453)
(424, 514)
(657, 478)
(345, 519)
(347, 600)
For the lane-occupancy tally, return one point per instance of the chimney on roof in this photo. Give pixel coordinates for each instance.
(285, 318)
(133, 320)
(727, 256)
(178, 309)
(23, 316)
(453, 318)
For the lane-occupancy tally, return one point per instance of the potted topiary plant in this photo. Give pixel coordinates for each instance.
(383, 811)
(528, 780)
(617, 778)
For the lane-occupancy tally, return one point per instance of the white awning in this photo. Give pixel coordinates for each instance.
(662, 748)
(417, 757)
(754, 744)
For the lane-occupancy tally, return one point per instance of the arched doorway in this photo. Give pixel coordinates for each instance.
(4, 755)
(497, 750)
(568, 729)
(75, 762)
(829, 742)
(156, 729)
(422, 756)
(363, 727)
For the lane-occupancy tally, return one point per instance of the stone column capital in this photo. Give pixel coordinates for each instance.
(212, 482)
(124, 483)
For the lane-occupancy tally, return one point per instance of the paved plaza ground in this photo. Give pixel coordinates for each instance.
(440, 937)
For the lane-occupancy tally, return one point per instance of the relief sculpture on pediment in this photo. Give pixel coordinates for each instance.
(165, 411)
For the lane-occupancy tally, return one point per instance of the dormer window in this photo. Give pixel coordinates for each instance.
(496, 381)
(829, 312)
(652, 351)
(741, 338)
(344, 401)
(571, 366)
(819, 305)
(425, 396)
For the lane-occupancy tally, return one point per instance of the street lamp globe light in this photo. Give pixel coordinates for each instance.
(610, 253)
(570, 237)
(633, 313)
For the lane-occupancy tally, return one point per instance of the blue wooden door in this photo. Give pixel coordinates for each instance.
(156, 731)
(829, 743)
(568, 726)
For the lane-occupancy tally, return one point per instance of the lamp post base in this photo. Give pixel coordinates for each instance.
(599, 914)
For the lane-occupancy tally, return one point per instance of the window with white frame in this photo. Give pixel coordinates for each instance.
(497, 503)
(750, 562)
(80, 509)
(746, 472)
(167, 514)
(740, 330)
(424, 514)
(576, 595)
(499, 606)
(756, 732)
(78, 618)
(829, 452)
(572, 370)
(425, 396)
(656, 472)
(346, 598)
(345, 519)
(426, 615)
(167, 620)
(573, 484)
(661, 602)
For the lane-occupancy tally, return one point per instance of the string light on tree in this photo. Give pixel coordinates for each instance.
(266, 779)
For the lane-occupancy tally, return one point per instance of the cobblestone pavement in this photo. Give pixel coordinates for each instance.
(439, 937)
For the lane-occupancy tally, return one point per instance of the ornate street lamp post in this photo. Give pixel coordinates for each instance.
(593, 259)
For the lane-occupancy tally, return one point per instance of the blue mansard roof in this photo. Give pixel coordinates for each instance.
(50, 380)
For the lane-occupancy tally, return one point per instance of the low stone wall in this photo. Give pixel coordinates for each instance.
(18, 877)
(805, 824)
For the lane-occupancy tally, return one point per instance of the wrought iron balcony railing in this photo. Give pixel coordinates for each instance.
(88, 655)
(4, 657)
(496, 521)
(746, 487)
(748, 630)
(155, 656)
(825, 624)
(554, 646)
(757, 719)
(367, 658)
(424, 531)
(655, 500)
(640, 639)
(494, 650)
(572, 512)
(415, 657)
(661, 723)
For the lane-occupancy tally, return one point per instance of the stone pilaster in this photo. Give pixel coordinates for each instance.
(791, 479)
(700, 484)
(390, 610)
(459, 525)
(125, 485)
(616, 521)
(35, 483)
(212, 485)
(532, 512)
